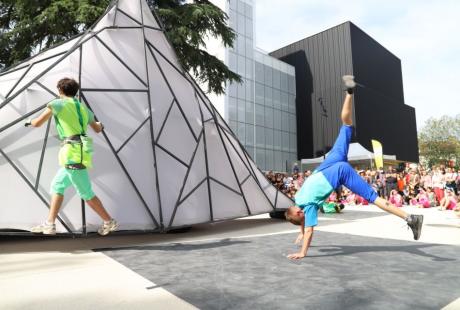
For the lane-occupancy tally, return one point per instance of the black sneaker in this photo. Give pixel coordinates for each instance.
(416, 225)
(349, 83)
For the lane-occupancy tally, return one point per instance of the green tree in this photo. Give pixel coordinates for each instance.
(439, 140)
(29, 26)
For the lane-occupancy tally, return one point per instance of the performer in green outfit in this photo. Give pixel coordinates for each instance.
(72, 119)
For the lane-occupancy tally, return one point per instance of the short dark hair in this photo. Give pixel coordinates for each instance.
(287, 214)
(68, 87)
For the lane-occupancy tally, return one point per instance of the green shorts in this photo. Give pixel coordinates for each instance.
(78, 178)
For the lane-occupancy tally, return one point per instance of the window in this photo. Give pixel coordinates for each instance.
(269, 160)
(240, 7)
(250, 151)
(249, 135)
(284, 81)
(279, 166)
(269, 138)
(241, 132)
(232, 115)
(241, 110)
(276, 79)
(285, 141)
(277, 119)
(277, 140)
(241, 90)
(241, 24)
(291, 103)
(241, 65)
(268, 75)
(259, 71)
(248, 27)
(233, 127)
(260, 137)
(248, 10)
(284, 101)
(292, 143)
(285, 122)
(260, 115)
(249, 69)
(292, 123)
(276, 99)
(259, 93)
(260, 158)
(249, 112)
(241, 45)
(249, 90)
(249, 48)
(232, 89)
(291, 84)
(232, 64)
(268, 96)
(268, 117)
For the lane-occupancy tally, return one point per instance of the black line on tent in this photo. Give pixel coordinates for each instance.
(70, 51)
(206, 162)
(190, 81)
(47, 89)
(179, 201)
(248, 167)
(132, 135)
(122, 27)
(164, 121)
(226, 186)
(208, 120)
(115, 90)
(116, 12)
(120, 60)
(42, 155)
(159, 22)
(245, 179)
(22, 118)
(33, 189)
(152, 134)
(130, 17)
(154, 28)
(82, 202)
(171, 154)
(276, 198)
(174, 95)
(233, 168)
(74, 47)
(184, 199)
(120, 162)
(14, 69)
(19, 80)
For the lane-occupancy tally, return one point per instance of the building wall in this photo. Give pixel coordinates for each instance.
(261, 110)
(380, 112)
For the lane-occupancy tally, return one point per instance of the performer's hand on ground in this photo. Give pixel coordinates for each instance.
(299, 239)
(296, 256)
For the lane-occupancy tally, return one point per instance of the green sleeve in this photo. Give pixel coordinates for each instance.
(55, 106)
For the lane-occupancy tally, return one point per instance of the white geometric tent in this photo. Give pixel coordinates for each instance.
(166, 158)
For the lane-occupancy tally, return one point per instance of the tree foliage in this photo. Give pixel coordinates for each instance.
(29, 26)
(439, 140)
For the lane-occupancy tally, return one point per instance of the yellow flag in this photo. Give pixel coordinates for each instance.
(378, 153)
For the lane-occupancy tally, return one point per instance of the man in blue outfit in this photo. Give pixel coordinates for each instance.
(334, 172)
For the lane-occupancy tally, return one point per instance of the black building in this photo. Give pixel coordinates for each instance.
(380, 112)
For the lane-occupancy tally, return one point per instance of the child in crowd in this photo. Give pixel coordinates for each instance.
(449, 202)
(396, 199)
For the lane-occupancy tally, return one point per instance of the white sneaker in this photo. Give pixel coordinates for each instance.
(46, 229)
(107, 228)
(349, 81)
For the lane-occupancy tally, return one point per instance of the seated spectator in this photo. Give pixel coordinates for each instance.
(396, 198)
(449, 202)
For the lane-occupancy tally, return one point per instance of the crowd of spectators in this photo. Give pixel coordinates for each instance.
(438, 186)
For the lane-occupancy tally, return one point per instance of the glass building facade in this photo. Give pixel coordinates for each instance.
(261, 110)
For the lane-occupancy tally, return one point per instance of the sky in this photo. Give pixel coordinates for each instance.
(423, 34)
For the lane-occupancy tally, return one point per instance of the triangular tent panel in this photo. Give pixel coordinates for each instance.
(165, 159)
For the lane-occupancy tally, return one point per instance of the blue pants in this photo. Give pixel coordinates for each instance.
(338, 171)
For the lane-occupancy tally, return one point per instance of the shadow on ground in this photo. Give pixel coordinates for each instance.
(341, 272)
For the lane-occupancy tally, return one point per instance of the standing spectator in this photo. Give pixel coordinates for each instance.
(391, 182)
(425, 179)
(450, 178)
(438, 184)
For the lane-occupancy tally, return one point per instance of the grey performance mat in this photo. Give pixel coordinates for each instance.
(341, 272)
